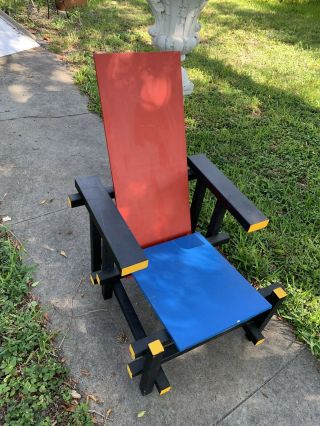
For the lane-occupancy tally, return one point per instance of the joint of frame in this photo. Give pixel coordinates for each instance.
(93, 278)
(103, 277)
(155, 347)
(280, 293)
(129, 371)
(75, 200)
(131, 351)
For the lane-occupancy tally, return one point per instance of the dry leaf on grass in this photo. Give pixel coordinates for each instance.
(63, 253)
(72, 407)
(94, 399)
(141, 413)
(75, 394)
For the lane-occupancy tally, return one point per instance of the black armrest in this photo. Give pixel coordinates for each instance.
(241, 208)
(128, 255)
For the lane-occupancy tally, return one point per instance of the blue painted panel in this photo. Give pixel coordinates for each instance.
(195, 291)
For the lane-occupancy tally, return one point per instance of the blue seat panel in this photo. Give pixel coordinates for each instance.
(196, 293)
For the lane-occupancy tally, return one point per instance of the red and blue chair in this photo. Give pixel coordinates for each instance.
(144, 225)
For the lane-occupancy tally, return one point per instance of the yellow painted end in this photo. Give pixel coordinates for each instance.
(259, 225)
(98, 279)
(156, 347)
(92, 279)
(165, 390)
(69, 202)
(129, 372)
(259, 342)
(134, 268)
(280, 293)
(132, 354)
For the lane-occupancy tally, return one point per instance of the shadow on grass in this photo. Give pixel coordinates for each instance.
(289, 23)
(268, 142)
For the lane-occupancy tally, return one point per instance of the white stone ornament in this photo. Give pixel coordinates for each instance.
(176, 27)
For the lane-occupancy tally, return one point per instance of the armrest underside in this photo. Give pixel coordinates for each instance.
(241, 208)
(128, 255)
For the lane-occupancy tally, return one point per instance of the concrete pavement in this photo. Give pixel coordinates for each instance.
(47, 138)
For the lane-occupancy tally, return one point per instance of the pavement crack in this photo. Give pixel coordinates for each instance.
(260, 387)
(36, 217)
(46, 116)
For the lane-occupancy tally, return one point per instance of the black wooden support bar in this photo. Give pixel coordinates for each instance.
(139, 347)
(191, 175)
(95, 247)
(109, 272)
(253, 333)
(128, 311)
(104, 276)
(216, 219)
(241, 208)
(75, 200)
(219, 239)
(197, 202)
(126, 252)
(137, 331)
(151, 366)
(275, 295)
(110, 190)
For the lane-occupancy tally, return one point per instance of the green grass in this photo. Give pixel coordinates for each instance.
(34, 384)
(254, 112)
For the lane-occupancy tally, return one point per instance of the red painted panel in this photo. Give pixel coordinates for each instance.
(142, 105)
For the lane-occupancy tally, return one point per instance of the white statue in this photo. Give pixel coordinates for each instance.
(176, 28)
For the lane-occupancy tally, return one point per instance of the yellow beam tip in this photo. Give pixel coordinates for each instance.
(129, 372)
(259, 342)
(280, 293)
(92, 280)
(156, 347)
(134, 268)
(258, 226)
(132, 354)
(165, 390)
(98, 279)
(69, 202)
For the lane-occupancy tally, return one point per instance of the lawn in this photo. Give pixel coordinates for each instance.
(34, 384)
(254, 112)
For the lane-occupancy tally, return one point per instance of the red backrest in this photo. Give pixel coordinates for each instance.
(142, 106)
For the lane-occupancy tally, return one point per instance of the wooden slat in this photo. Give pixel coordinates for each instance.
(142, 105)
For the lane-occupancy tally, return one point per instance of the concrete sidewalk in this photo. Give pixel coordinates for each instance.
(47, 138)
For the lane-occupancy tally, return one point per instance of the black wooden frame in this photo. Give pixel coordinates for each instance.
(115, 253)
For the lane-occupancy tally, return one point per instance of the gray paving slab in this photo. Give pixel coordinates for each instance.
(227, 381)
(47, 135)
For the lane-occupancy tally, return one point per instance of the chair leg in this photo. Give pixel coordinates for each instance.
(95, 245)
(151, 366)
(275, 295)
(107, 266)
